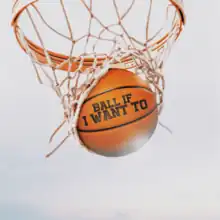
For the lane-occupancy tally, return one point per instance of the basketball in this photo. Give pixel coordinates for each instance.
(102, 73)
(119, 115)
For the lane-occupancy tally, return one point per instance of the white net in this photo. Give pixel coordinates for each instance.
(93, 36)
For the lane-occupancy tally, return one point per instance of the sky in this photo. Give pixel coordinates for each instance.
(172, 177)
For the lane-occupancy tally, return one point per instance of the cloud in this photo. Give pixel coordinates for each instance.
(12, 211)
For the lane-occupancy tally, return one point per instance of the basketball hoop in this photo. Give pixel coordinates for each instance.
(107, 41)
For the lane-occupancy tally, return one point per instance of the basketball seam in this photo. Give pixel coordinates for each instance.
(117, 88)
(118, 126)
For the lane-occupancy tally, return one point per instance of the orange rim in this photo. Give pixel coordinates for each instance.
(62, 60)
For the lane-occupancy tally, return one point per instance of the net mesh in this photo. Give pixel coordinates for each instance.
(72, 75)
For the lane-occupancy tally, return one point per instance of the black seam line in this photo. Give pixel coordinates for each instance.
(118, 126)
(117, 88)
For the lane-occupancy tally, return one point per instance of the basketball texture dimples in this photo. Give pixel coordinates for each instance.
(119, 115)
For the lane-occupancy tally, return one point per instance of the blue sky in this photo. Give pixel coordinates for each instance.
(173, 177)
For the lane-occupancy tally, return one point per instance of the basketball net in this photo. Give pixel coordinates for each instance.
(73, 75)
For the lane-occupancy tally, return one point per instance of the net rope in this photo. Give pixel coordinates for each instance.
(73, 77)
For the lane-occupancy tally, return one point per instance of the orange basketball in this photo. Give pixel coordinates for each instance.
(119, 115)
